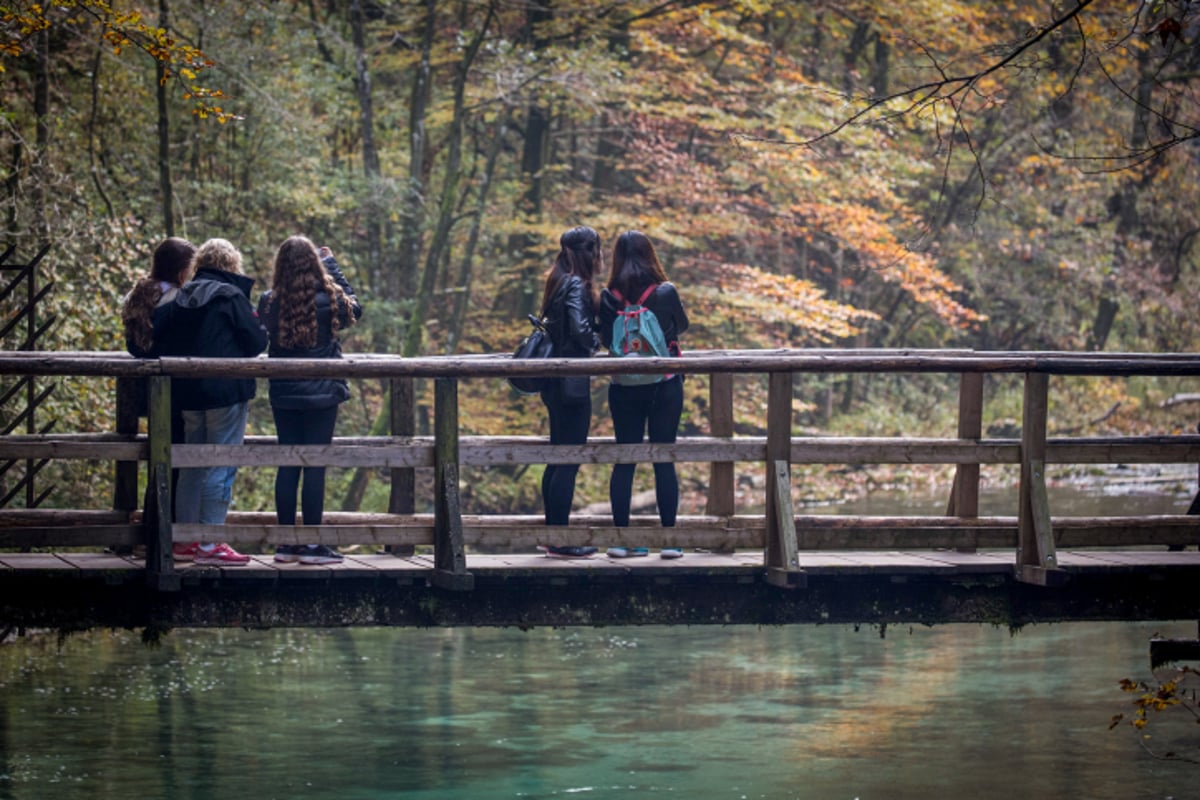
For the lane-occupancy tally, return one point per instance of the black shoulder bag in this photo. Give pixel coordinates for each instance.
(536, 345)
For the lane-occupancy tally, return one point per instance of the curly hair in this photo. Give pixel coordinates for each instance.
(297, 277)
(218, 254)
(171, 264)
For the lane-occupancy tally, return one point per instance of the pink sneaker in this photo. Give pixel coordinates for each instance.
(220, 555)
(185, 552)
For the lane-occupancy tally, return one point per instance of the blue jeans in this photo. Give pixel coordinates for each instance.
(205, 492)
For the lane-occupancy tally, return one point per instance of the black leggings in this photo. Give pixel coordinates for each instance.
(569, 424)
(302, 427)
(654, 408)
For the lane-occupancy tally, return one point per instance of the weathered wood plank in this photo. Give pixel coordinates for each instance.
(964, 493)
(417, 452)
(73, 536)
(720, 501)
(779, 449)
(157, 516)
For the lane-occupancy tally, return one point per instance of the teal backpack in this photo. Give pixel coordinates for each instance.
(637, 333)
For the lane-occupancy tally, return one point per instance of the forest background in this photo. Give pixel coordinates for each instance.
(989, 174)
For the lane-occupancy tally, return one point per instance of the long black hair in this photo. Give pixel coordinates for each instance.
(635, 266)
(579, 254)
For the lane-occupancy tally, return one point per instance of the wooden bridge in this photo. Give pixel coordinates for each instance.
(63, 568)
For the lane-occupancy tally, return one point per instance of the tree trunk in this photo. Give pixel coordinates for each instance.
(41, 161)
(373, 211)
(879, 83)
(164, 132)
(521, 295)
(466, 271)
(413, 206)
(449, 197)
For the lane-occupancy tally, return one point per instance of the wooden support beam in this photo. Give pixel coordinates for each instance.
(1172, 651)
(125, 477)
(964, 496)
(779, 448)
(1036, 556)
(160, 565)
(720, 502)
(403, 423)
(789, 575)
(449, 551)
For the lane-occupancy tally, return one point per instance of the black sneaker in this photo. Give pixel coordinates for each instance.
(288, 553)
(318, 554)
(568, 552)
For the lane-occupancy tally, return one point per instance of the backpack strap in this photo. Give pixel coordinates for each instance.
(649, 291)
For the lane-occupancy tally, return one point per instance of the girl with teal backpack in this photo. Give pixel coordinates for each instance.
(641, 315)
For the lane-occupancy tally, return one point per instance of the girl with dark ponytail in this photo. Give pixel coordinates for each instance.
(568, 307)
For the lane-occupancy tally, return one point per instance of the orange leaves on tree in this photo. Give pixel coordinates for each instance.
(772, 310)
(120, 30)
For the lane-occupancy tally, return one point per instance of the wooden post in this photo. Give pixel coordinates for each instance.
(449, 550)
(125, 479)
(964, 494)
(402, 496)
(1037, 561)
(780, 557)
(720, 501)
(160, 564)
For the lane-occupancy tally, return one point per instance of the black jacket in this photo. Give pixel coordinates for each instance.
(570, 319)
(303, 394)
(211, 317)
(663, 301)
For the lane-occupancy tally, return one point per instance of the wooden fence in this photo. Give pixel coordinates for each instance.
(780, 533)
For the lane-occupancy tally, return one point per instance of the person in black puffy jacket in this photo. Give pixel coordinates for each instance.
(568, 308)
(309, 301)
(649, 409)
(211, 317)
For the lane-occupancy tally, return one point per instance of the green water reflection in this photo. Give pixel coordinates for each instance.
(738, 712)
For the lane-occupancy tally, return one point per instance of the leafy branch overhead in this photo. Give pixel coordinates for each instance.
(21, 22)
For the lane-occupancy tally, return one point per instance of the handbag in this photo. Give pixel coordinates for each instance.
(536, 345)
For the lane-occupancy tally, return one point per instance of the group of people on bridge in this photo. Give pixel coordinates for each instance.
(196, 302)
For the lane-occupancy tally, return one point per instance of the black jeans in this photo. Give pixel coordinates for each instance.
(302, 427)
(570, 420)
(654, 408)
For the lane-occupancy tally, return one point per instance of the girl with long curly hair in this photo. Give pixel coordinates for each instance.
(309, 301)
(170, 267)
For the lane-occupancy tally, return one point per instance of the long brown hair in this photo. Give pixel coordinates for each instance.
(170, 264)
(579, 254)
(635, 266)
(297, 277)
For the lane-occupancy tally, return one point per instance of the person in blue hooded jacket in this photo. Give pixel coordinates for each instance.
(210, 317)
(310, 300)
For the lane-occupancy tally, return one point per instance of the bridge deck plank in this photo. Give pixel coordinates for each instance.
(699, 564)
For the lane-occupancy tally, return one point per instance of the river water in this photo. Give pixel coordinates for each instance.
(813, 712)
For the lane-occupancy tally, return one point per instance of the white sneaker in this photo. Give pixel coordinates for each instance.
(627, 552)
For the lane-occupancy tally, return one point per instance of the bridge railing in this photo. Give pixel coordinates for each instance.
(779, 533)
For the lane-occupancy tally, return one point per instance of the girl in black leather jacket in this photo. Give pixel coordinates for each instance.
(309, 301)
(568, 307)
